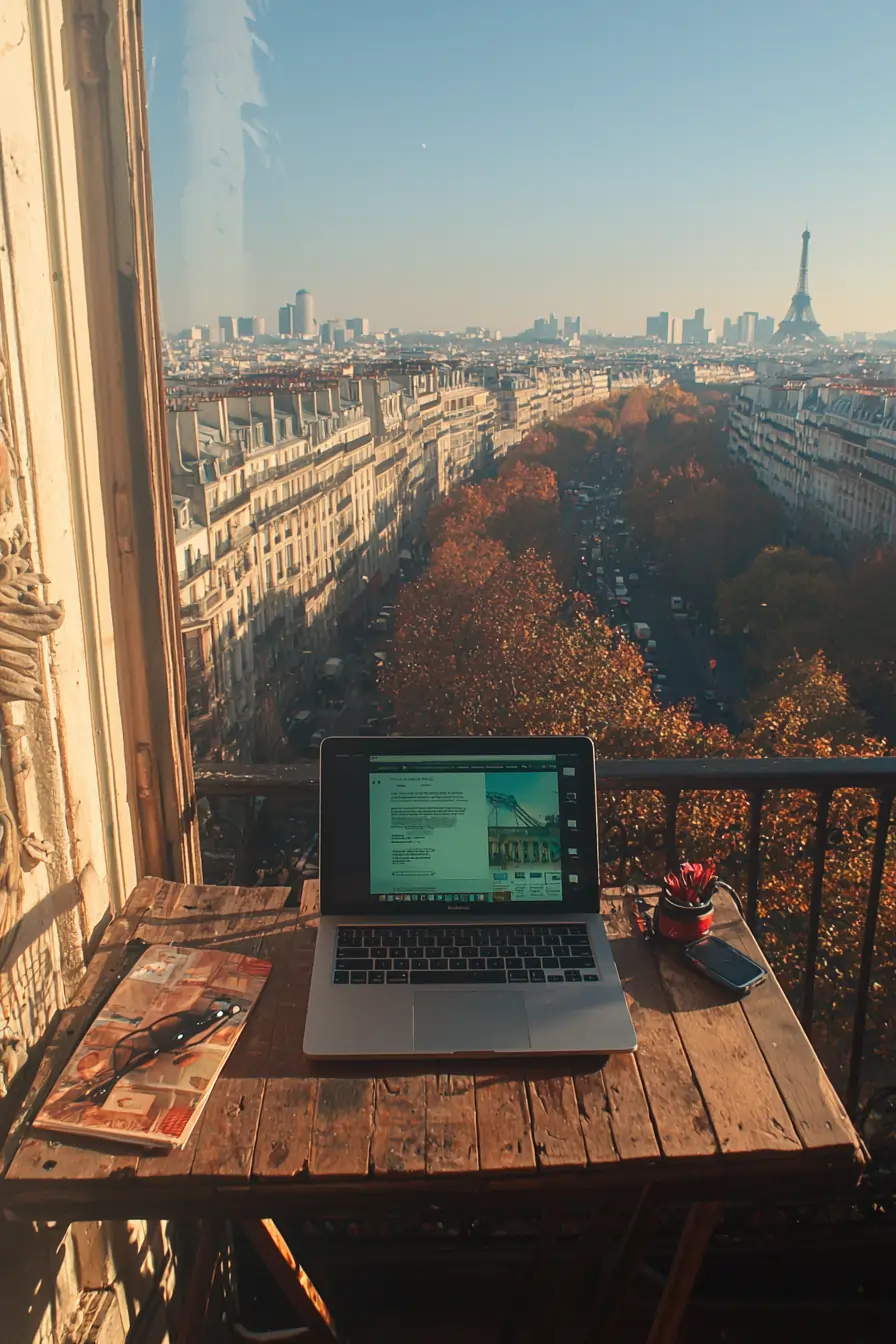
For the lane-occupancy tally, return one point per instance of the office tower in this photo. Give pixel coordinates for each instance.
(250, 326)
(676, 334)
(572, 326)
(554, 326)
(653, 327)
(284, 320)
(330, 329)
(340, 337)
(227, 329)
(746, 328)
(357, 327)
(303, 318)
(799, 325)
(693, 329)
(765, 330)
(729, 331)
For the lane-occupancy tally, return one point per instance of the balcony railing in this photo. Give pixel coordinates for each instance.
(193, 570)
(204, 607)
(628, 856)
(228, 505)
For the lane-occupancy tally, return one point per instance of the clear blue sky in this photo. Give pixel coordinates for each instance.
(608, 159)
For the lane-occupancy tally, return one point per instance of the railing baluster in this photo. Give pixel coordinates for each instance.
(757, 797)
(670, 843)
(819, 852)
(885, 805)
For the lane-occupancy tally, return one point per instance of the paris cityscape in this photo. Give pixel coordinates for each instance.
(447, 672)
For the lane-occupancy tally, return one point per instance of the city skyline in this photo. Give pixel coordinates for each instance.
(404, 187)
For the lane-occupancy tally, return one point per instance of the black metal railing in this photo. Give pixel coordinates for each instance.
(673, 782)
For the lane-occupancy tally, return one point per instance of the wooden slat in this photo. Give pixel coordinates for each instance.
(229, 1126)
(343, 1125)
(633, 1132)
(310, 903)
(505, 1130)
(594, 1117)
(399, 1126)
(746, 1108)
(283, 1143)
(451, 1141)
(556, 1127)
(816, 1111)
(250, 920)
(682, 1123)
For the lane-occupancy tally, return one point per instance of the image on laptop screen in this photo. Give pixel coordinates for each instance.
(471, 829)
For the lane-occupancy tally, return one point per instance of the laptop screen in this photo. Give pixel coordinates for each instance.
(464, 827)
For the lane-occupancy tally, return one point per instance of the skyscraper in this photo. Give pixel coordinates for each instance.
(284, 320)
(765, 330)
(227, 329)
(694, 330)
(303, 318)
(357, 327)
(746, 328)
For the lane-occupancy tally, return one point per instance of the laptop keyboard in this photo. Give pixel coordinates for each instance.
(467, 954)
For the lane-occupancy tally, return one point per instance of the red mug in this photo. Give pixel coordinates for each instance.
(683, 923)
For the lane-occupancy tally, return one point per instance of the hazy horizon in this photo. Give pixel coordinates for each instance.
(433, 171)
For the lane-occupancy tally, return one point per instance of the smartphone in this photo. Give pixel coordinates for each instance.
(724, 964)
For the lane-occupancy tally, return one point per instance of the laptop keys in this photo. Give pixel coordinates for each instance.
(504, 954)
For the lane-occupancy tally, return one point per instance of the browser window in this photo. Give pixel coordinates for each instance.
(472, 830)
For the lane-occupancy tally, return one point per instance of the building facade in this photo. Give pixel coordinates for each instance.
(295, 502)
(826, 449)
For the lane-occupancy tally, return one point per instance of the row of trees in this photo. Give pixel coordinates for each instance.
(491, 640)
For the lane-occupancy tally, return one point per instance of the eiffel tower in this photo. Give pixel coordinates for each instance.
(799, 326)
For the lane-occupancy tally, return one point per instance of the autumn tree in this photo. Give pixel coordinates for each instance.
(490, 641)
(785, 599)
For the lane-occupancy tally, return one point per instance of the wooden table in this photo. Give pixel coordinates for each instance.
(722, 1100)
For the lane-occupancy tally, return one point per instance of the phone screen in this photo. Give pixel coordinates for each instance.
(725, 961)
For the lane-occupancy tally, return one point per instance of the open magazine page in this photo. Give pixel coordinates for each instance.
(149, 1060)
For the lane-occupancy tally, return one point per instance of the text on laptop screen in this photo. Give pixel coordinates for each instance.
(467, 829)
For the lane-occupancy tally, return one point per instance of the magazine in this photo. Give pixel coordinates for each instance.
(149, 1060)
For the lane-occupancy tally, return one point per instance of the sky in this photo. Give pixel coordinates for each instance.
(484, 162)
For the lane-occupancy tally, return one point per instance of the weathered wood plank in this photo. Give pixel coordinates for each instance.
(310, 903)
(594, 1117)
(747, 1111)
(505, 1130)
(223, 1140)
(680, 1118)
(283, 1142)
(229, 1125)
(399, 1126)
(451, 1141)
(818, 1115)
(633, 1133)
(556, 1128)
(343, 1126)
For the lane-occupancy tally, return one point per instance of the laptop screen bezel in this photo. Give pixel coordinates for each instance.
(339, 856)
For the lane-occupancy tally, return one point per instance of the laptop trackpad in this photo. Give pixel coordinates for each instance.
(462, 1022)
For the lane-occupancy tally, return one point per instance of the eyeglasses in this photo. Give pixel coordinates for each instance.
(167, 1035)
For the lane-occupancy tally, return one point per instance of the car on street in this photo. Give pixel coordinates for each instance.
(651, 668)
(634, 577)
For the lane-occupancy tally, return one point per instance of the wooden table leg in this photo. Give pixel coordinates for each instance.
(695, 1235)
(289, 1276)
(194, 1316)
(621, 1271)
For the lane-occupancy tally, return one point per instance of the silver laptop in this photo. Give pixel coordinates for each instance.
(459, 902)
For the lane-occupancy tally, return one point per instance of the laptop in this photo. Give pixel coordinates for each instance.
(459, 902)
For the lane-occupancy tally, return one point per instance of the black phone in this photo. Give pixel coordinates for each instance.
(724, 964)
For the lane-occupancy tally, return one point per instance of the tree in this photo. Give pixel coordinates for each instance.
(785, 600)
(489, 641)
